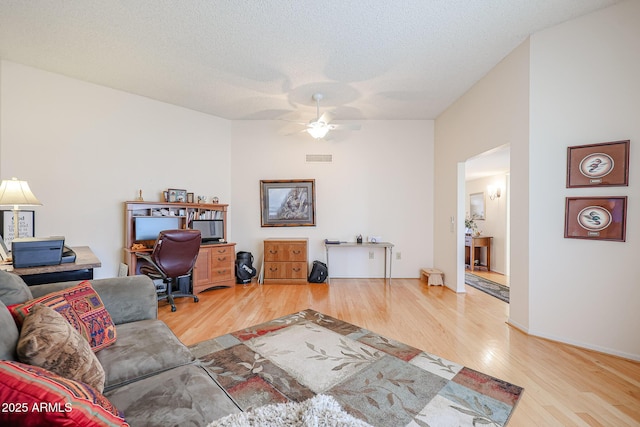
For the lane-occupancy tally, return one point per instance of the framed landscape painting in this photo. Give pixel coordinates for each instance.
(476, 206)
(287, 203)
(596, 165)
(596, 218)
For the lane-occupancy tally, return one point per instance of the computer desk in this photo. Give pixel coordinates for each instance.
(81, 269)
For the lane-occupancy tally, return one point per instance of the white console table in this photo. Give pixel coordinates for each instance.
(388, 247)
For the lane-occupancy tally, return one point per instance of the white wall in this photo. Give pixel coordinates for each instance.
(379, 183)
(492, 113)
(495, 222)
(584, 89)
(84, 149)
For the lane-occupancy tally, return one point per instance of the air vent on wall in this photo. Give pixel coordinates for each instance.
(319, 158)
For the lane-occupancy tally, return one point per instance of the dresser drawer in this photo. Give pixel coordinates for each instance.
(222, 250)
(285, 270)
(221, 273)
(285, 251)
(221, 260)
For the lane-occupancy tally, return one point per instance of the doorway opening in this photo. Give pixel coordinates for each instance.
(485, 194)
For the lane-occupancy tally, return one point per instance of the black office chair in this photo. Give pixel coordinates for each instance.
(174, 255)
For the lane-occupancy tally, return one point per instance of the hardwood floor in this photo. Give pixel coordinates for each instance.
(564, 385)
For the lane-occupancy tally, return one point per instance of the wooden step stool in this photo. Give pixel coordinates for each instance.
(433, 276)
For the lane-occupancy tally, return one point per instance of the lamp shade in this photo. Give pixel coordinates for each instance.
(17, 193)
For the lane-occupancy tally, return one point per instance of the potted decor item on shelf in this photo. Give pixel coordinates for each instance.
(471, 227)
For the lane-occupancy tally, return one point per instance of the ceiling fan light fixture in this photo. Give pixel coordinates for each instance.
(318, 130)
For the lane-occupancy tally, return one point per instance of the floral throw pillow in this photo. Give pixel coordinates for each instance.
(83, 309)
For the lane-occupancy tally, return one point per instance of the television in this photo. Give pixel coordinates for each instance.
(149, 227)
(212, 230)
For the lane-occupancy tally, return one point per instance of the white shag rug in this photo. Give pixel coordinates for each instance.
(319, 411)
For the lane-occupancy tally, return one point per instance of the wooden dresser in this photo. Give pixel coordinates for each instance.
(214, 267)
(285, 261)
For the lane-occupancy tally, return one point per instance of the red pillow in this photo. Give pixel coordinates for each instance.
(32, 396)
(83, 309)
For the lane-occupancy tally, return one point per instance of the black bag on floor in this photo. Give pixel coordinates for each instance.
(319, 272)
(244, 267)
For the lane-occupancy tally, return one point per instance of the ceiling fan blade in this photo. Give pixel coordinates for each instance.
(292, 129)
(345, 126)
(325, 117)
(295, 122)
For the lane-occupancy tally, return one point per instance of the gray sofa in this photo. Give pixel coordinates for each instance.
(150, 375)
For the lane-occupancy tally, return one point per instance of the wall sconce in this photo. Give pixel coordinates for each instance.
(494, 192)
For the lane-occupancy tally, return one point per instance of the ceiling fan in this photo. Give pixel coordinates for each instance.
(321, 125)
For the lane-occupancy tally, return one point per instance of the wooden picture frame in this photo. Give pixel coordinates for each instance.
(477, 206)
(177, 195)
(26, 221)
(189, 197)
(287, 203)
(598, 165)
(596, 218)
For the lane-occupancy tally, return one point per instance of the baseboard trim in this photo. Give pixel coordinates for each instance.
(577, 344)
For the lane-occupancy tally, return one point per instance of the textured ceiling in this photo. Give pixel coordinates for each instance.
(251, 59)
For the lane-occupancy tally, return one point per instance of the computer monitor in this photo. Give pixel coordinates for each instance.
(212, 230)
(149, 227)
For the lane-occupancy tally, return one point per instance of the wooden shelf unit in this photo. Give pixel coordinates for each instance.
(215, 266)
(285, 261)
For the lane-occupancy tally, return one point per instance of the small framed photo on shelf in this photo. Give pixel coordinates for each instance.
(596, 218)
(177, 196)
(189, 197)
(288, 203)
(596, 165)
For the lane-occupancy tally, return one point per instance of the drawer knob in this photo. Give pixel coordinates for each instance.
(297, 252)
(222, 258)
(271, 251)
(273, 268)
(296, 269)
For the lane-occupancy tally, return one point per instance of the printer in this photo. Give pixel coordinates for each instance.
(37, 251)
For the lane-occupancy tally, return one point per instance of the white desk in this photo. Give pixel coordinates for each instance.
(385, 245)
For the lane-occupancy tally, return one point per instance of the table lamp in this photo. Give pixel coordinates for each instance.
(16, 193)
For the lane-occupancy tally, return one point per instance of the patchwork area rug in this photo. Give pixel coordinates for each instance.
(319, 411)
(376, 379)
(487, 286)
